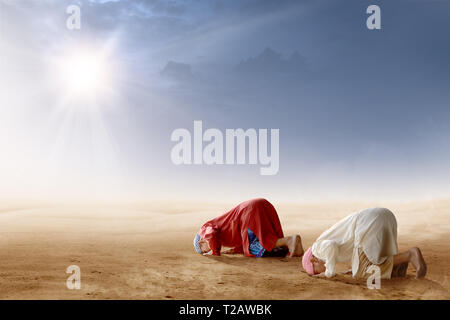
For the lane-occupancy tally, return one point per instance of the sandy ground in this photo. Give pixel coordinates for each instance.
(145, 252)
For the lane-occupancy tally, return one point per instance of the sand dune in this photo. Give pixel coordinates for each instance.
(145, 252)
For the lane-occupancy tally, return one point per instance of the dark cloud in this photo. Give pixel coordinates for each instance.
(271, 62)
(177, 71)
(169, 7)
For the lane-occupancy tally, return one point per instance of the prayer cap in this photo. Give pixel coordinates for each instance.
(306, 261)
(197, 239)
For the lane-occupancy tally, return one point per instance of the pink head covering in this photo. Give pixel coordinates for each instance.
(306, 261)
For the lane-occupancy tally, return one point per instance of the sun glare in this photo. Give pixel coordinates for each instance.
(83, 73)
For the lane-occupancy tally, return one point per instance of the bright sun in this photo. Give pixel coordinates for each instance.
(83, 73)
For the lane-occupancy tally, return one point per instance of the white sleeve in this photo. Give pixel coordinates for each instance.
(327, 250)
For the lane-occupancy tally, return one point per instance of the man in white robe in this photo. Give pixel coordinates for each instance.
(367, 237)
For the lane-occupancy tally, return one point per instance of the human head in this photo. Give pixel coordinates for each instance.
(200, 244)
(312, 264)
(318, 264)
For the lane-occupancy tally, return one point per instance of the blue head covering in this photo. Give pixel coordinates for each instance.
(197, 239)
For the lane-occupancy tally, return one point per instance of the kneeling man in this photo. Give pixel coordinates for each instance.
(252, 228)
(367, 237)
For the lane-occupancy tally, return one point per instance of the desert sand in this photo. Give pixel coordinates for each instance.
(145, 252)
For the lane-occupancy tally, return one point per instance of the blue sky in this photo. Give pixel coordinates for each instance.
(363, 114)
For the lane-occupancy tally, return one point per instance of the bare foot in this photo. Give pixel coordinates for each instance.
(295, 246)
(349, 271)
(418, 262)
(400, 270)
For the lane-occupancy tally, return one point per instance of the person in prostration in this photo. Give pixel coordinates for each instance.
(252, 228)
(366, 238)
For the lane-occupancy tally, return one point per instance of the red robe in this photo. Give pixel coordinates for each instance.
(231, 228)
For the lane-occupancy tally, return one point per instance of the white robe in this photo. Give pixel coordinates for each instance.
(374, 230)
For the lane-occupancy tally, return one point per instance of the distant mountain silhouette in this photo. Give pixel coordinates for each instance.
(272, 62)
(177, 70)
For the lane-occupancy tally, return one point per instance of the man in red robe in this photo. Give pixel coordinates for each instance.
(252, 228)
